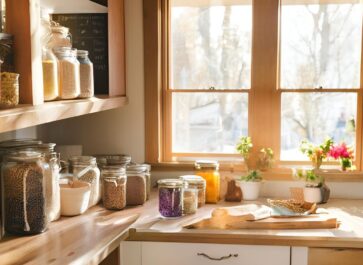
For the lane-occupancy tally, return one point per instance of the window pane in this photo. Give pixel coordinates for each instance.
(211, 45)
(208, 122)
(315, 116)
(321, 44)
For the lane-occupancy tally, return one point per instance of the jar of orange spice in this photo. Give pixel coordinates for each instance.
(209, 171)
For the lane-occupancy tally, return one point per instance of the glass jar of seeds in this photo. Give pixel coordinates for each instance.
(84, 168)
(198, 183)
(23, 193)
(171, 197)
(114, 187)
(86, 74)
(69, 72)
(136, 184)
(190, 201)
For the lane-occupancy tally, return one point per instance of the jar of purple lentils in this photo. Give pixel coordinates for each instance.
(171, 197)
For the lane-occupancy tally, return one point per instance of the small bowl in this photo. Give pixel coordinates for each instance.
(74, 198)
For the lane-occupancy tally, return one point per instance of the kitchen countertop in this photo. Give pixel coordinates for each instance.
(89, 238)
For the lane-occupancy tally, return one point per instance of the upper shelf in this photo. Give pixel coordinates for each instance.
(27, 115)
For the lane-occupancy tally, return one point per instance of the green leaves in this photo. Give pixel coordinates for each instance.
(244, 146)
(253, 176)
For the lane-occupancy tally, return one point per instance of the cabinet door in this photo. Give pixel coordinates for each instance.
(130, 253)
(205, 254)
(335, 256)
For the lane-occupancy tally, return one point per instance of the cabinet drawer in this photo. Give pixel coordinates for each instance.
(154, 253)
(334, 256)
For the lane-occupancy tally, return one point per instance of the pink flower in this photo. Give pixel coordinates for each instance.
(341, 151)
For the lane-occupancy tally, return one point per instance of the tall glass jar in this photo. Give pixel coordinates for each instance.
(69, 81)
(23, 193)
(86, 75)
(199, 183)
(136, 184)
(114, 187)
(84, 168)
(50, 75)
(209, 171)
(60, 37)
(171, 197)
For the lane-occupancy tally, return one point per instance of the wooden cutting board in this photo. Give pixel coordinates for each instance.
(238, 218)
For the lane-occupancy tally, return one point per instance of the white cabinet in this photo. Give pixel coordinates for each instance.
(299, 256)
(157, 253)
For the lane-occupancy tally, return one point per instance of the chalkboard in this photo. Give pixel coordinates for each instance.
(90, 32)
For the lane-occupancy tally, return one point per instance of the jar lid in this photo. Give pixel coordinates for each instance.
(193, 179)
(117, 159)
(212, 164)
(81, 160)
(82, 53)
(171, 183)
(60, 29)
(114, 169)
(23, 156)
(6, 36)
(64, 51)
(19, 142)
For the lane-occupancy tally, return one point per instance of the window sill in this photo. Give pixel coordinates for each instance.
(283, 173)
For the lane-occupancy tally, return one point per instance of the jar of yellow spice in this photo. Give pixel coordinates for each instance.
(50, 75)
(209, 171)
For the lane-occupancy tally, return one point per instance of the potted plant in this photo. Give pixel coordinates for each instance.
(244, 147)
(345, 155)
(265, 159)
(250, 185)
(316, 154)
(315, 190)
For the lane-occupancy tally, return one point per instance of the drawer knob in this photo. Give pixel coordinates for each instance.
(218, 259)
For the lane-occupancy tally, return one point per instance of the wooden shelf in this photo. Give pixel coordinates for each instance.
(27, 115)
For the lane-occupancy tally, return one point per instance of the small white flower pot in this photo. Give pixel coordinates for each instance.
(250, 189)
(312, 195)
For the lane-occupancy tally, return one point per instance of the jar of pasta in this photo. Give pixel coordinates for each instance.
(50, 75)
(69, 80)
(209, 171)
(199, 183)
(114, 187)
(86, 75)
(84, 168)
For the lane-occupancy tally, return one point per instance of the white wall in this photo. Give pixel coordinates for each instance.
(73, 6)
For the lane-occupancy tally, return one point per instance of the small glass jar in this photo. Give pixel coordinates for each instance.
(136, 185)
(190, 201)
(171, 197)
(9, 90)
(148, 180)
(114, 187)
(84, 168)
(50, 75)
(196, 182)
(86, 75)
(23, 193)
(60, 37)
(209, 171)
(68, 65)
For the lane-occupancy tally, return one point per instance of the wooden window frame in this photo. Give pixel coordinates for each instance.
(264, 96)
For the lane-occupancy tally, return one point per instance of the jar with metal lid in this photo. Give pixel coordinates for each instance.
(199, 183)
(114, 187)
(136, 185)
(23, 193)
(86, 75)
(190, 200)
(9, 90)
(84, 168)
(60, 36)
(68, 65)
(209, 171)
(171, 197)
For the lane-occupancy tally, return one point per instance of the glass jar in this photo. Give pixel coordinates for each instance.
(68, 65)
(52, 188)
(196, 182)
(209, 171)
(148, 180)
(84, 168)
(9, 90)
(114, 187)
(7, 52)
(190, 201)
(86, 75)
(171, 197)
(23, 193)
(50, 75)
(136, 185)
(60, 37)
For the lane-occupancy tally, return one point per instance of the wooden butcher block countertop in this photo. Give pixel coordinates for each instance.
(89, 238)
